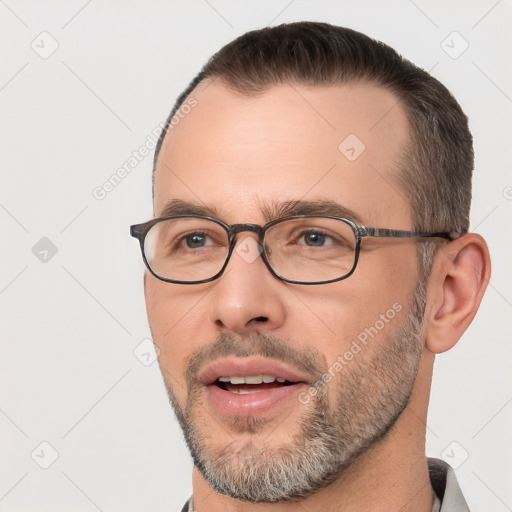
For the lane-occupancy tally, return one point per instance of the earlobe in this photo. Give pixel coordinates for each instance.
(456, 286)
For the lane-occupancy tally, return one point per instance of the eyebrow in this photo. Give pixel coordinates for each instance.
(180, 207)
(328, 208)
(273, 211)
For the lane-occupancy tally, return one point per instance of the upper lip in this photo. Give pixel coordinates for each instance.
(247, 366)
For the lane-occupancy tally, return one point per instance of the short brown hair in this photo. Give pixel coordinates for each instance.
(436, 172)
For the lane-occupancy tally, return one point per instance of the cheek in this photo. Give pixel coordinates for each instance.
(363, 309)
(173, 317)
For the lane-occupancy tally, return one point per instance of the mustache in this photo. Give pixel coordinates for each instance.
(253, 344)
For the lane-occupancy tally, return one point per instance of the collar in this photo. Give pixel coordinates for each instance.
(445, 485)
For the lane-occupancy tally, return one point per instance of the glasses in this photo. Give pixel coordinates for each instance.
(302, 249)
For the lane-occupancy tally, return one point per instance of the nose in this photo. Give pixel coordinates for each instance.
(247, 297)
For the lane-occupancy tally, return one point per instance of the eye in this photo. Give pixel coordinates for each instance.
(315, 239)
(195, 240)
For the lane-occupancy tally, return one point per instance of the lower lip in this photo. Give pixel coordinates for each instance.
(251, 404)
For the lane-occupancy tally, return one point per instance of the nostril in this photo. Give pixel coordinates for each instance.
(261, 319)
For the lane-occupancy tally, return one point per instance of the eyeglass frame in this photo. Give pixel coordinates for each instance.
(139, 231)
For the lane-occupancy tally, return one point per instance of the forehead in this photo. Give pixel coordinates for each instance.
(237, 153)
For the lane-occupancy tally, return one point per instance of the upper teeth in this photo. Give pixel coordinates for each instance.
(252, 379)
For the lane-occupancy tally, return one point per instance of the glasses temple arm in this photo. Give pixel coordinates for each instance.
(397, 233)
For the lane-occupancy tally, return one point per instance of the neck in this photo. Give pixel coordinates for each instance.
(392, 476)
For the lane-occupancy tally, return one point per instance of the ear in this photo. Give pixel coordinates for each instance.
(459, 277)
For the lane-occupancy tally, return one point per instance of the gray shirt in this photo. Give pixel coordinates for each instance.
(447, 494)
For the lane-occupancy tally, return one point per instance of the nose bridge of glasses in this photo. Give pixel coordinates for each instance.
(234, 229)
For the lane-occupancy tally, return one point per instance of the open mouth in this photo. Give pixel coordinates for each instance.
(251, 383)
(248, 386)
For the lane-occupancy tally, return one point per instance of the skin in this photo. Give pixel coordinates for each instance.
(237, 154)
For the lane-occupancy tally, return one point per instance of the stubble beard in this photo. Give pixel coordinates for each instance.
(371, 393)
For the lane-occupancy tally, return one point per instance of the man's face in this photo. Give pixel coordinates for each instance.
(348, 350)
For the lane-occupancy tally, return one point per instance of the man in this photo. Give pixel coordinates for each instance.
(308, 258)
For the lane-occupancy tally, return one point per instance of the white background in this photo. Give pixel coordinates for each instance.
(69, 326)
